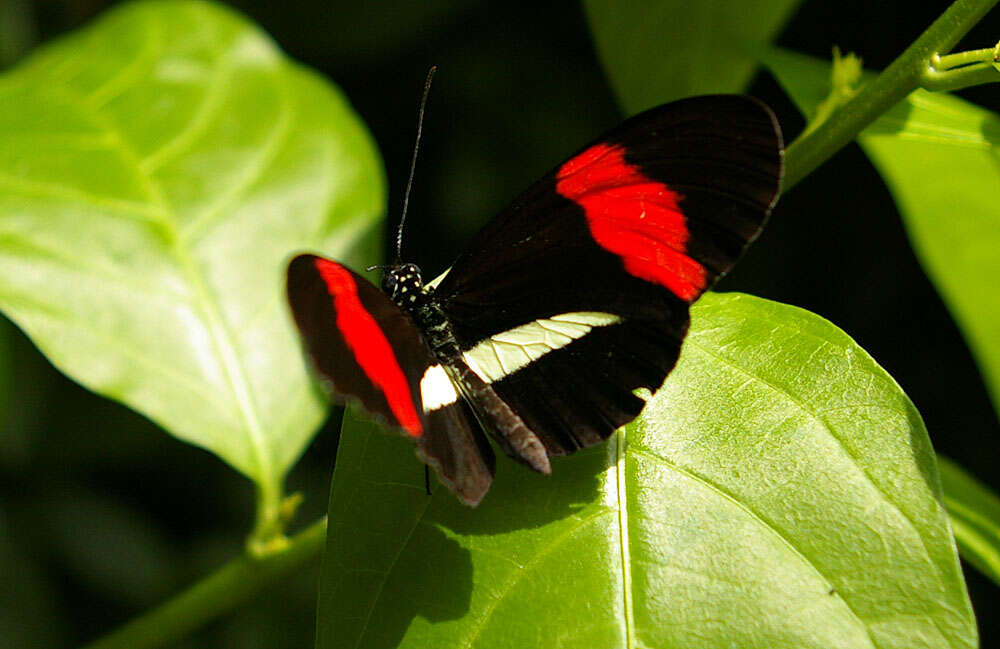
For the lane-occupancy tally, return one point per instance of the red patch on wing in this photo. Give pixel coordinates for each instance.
(634, 217)
(368, 344)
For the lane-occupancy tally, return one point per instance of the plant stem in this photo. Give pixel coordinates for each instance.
(951, 61)
(220, 592)
(268, 534)
(894, 83)
(964, 77)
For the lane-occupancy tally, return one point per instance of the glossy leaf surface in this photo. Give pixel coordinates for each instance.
(940, 157)
(659, 51)
(157, 170)
(779, 490)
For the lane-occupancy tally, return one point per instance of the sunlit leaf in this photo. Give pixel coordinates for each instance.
(657, 51)
(940, 157)
(157, 170)
(779, 491)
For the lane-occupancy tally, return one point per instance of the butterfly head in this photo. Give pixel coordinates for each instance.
(403, 284)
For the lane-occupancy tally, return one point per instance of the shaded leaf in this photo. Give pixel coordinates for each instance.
(17, 30)
(107, 546)
(659, 51)
(29, 615)
(358, 33)
(975, 517)
(779, 490)
(939, 157)
(7, 370)
(157, 170)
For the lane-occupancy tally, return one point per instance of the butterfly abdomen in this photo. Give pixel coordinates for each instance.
(493, 414)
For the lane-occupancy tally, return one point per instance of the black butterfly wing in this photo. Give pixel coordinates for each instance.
(578, 292)
(368, 350)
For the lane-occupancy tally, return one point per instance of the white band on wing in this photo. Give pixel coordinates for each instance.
(504, 353)
(436, 389)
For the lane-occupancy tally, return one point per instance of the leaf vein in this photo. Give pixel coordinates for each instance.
(388, 571)
(197, 388)
(209, 108)
(519, 574)
(830, 429)
(151, 43)
(223, 340)
(754, 516)
(251, 174)
(118, 207)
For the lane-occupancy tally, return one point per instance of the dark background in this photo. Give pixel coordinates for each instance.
(103, 515)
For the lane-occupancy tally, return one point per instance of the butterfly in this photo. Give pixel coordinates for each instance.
(563, 305)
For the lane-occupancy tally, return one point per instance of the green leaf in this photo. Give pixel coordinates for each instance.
(655, 51)
(157, 170)
(940, 157)
(975, 517)
(779, 491)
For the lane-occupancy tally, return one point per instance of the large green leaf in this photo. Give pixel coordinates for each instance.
(778, 491)
(157, 170)
(940, 157)
(656, 51)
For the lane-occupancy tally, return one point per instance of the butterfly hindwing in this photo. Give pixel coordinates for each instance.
(366, 348)
(620, 239)
(458, 451)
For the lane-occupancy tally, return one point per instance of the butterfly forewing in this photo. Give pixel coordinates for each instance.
(369, 350)
(636, 225)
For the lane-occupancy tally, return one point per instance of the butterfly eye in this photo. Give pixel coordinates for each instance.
(389, 283)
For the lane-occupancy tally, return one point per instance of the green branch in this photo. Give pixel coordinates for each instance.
(219, 593)
(907, 73)
(269, 526)
(972, 75)
(957, 60)
(961, 70)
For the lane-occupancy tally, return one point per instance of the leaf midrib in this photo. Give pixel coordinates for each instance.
(223, 340)
(623, 537)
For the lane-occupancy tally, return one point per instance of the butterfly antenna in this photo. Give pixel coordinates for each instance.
(413, 162)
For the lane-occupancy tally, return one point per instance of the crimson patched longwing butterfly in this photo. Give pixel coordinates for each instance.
(562, 306)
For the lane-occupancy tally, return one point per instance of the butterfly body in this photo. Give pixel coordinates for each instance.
(404, 285)
(561, 307)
